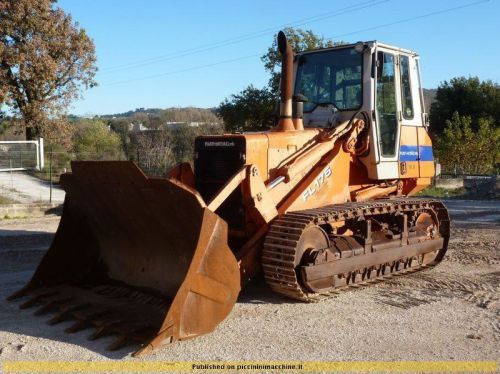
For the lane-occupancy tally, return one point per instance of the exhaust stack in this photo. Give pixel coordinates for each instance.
(285, 121)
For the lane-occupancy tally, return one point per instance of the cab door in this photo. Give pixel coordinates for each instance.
(411, 119)
(387, 114)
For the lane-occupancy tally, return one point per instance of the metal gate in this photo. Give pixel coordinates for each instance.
(21, 155)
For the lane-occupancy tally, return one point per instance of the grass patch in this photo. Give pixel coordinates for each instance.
(7, 217)
(44, 176)
(439, 192)
(6, 200)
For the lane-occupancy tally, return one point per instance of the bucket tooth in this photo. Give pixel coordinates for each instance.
(142, 335)
(18, 294)
(65, 314)
(99, 331)
(29, 303)
(36, 299)
(50, 305)
(90, 312)
(104, 329)
(103, 290)
(79, 324)
(44, 309)
(119, 342)
(116, 292)
(58, 318)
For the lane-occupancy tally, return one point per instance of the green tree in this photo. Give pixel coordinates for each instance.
(467, 96)
(45, 61)
(487, 149)
(251, 109)
(183, 138)
(460, 149)
(300, 40)
(254, 109)
(122, 127)
(93, 140)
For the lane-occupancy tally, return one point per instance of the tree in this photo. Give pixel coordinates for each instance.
(460, 149)
(45, 60)
(183, 138)
(300, 40)
(58, 131)
(467, 96)
(158, 150)
(254, 109)
(93, 140)
(121, 126)
(154, 151)
(251, 109)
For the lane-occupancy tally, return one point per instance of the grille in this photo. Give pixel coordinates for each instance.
(217, 160)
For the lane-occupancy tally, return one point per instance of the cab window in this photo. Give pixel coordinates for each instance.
(331, 77)
(406, 98)
(387, 104)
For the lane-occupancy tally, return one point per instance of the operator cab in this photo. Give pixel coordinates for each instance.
(379, 83)
(331, 80)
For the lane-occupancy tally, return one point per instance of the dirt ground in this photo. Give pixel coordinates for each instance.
(25, 188)
(451, 312)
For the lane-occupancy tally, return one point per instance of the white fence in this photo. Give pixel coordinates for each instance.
(21, 155)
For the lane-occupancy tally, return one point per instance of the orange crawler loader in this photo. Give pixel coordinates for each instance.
(320, 203)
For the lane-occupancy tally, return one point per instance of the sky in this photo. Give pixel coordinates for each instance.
(176, 53)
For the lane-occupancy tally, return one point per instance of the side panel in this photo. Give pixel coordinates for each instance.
(426, 156)
(327, 183)
(411, 117)
(408, 153)
(256, 152)
(285, 145)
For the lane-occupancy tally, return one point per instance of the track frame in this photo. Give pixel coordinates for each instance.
(279, 255)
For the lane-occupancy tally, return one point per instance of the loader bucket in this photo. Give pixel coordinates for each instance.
(135, 256)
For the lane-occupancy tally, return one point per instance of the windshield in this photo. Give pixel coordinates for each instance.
(330, 77)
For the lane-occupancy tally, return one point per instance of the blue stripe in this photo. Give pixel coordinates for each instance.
(426, 153)
(408, 153)
(411, 153)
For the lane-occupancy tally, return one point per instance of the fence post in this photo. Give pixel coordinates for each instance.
(50, 172)
(11, 178)
(41, 156)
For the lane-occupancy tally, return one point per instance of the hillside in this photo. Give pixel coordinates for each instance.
(187, 114)
(429, 97)
(194, 114)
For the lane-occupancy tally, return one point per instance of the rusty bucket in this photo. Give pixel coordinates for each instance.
(139, 257)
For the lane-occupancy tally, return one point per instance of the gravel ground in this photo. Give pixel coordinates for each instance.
(451, 312)
(25, 188)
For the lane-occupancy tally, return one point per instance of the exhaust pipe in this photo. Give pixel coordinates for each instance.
(285, 121)
(298, 112)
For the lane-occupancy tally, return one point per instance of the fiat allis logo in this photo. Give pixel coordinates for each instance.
(317, 184)
(220, 143)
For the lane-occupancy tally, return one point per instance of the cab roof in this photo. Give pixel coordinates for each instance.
(373, 43)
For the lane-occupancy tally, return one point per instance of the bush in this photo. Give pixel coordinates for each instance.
(156, 151)
(250, 110)
(93, 140)
(461, 150)
(467, 96)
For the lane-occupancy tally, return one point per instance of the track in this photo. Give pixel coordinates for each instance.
(280, 245)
